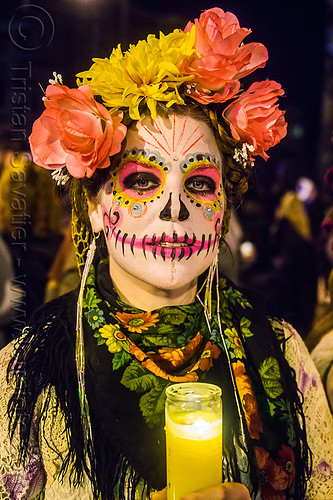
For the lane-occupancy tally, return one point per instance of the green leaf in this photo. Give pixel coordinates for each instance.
(284, 406)
(166, 329)
(168, 315)
(245, 325)
(291, 435)
(91, 276)
(222, 283)
(101, 341)
(120, 359)
(277, 328)
(270, 376)
(152, 404)
(90, 300)
(127, 308)
(137, 378)
(272, 407)
(157, 340)
(90, 280)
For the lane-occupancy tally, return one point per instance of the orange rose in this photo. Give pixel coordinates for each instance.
(249, 402)
(221, 61)
(277, 478)
(210, 352)
(75, 131)
(256, 119)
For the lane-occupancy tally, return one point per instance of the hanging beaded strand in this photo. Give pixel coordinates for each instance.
(207, 307)
(79, 349)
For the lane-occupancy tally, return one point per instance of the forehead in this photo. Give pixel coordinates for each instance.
(173, 136)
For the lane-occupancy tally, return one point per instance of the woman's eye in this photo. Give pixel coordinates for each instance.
(200, 184)
(142, 181)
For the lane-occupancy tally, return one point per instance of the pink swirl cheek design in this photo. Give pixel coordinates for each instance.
(112, 218)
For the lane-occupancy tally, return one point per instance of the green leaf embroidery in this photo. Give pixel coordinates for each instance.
(234, 296)
(101, 341)
(223, 283)
(284, 406)
(163, 329)
(291, 435)
(127, 308)
(278, 329)
(157, 340)
(120, 359)
(137, 378)
(90, 300)
(270, 376)
(91, 276)
(245, 325)
(272, 407)
(152, 404)
(90, 279)
(170, 316)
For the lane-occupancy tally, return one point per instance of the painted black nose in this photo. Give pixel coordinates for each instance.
(183, 213)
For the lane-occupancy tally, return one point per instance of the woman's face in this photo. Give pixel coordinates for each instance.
(163, 206)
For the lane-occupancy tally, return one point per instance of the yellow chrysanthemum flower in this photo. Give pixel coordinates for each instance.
(146, 71)
(111, 333)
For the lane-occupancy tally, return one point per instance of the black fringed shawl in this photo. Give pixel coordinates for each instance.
(125, 450)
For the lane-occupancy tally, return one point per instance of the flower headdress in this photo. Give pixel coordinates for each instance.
(204, 63)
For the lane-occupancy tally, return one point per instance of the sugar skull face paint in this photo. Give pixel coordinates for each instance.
(163, 206)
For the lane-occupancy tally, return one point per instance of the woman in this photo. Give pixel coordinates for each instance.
(87, 380)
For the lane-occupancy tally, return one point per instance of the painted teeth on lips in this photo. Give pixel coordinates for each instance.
(172, 245)
(171, 241)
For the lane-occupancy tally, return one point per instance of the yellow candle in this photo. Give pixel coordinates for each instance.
(194, 443)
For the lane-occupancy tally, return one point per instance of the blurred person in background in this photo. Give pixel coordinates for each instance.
(294, 276)
(63, 275)
(320, 338)
(10, 293)
(32, 217)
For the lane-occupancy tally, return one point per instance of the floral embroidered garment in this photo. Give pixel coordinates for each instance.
(151, 350)
(142, 353)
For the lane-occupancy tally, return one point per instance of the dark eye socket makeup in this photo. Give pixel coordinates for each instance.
(141, 181)
(200, 184)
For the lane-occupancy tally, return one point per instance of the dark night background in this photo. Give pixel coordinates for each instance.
(39, 37)
(64, 36)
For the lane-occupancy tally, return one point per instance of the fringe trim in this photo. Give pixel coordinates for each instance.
(44, 361)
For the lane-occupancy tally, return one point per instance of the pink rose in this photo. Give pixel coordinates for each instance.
(277, 478)
(220, 62)
(75, 131)
(256, 119)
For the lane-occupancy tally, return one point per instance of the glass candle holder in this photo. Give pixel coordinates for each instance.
(193, 415)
